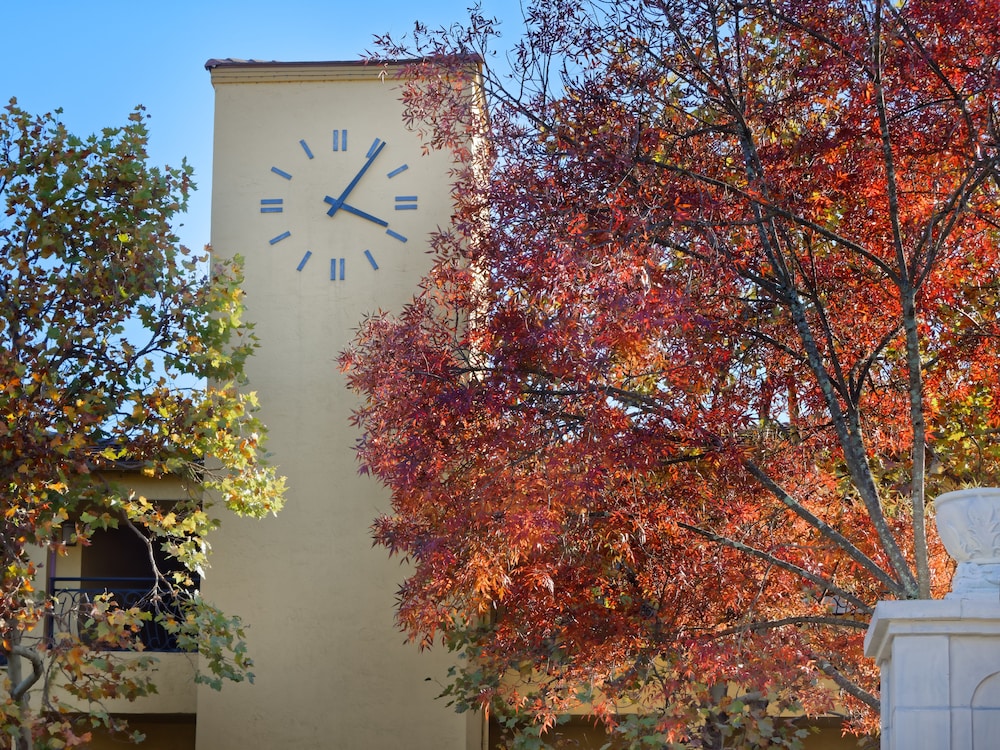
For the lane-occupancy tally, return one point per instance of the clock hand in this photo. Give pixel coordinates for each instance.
(373, 152)
(352, 210)
(364, 215)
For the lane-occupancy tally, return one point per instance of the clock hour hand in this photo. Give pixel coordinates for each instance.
(364, 215)
(373, 152)
(356, 211)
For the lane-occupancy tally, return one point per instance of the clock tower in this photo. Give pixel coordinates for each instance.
(327, 195)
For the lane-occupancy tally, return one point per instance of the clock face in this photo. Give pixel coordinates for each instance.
(341, 207)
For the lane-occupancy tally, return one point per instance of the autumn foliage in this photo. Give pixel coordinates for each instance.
(715, 322)
(119, 356)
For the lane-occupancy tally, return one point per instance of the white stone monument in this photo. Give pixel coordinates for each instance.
(940, 659)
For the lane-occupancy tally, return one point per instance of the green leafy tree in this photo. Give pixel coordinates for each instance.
(117, 348)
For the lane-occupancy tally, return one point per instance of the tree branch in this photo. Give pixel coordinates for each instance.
(824, 528)
(831, 620)
(779, 563)
(37, 670)
(848, 686)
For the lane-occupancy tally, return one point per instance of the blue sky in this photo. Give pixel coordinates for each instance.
(98, 59)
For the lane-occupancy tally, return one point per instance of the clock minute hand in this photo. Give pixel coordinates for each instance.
(373, 152)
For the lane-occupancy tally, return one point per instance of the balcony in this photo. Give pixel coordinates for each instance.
(73, 595)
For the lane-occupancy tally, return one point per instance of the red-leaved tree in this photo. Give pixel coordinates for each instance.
(715, 322)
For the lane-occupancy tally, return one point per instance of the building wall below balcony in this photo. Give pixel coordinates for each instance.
(176, 690)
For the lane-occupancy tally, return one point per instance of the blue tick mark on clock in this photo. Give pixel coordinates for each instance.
(337, 265)
(271, 205)
(281, 173)
(398, 170)
(305, 259)
(340, 140)
(371, 259)
(305, 147)
(395, 235)
(279, 238)
(406, 203)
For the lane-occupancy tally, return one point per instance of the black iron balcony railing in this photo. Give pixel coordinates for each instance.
(73, 596)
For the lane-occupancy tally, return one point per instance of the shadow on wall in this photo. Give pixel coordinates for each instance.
(985, 714)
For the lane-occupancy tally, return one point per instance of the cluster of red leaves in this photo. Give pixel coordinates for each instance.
(717, 309)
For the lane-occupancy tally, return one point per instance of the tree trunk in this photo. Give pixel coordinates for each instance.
(20, 685)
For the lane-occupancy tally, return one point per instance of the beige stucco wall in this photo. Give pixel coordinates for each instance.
(332, 671)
